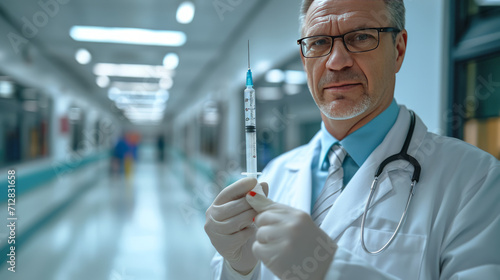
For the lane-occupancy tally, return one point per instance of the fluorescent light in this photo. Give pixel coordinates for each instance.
(128, 36)
(151, 117)
(6, 89)
(166, 83)
(102, 81)
(292, 89)
(269, 93)
(139, 87)
(171, 61)
(261, 66)
(127, 105)
(83, 56)
(185, 12)
(146, 110)
(161, 94)
(138, 113)
(295, 77)
(132, 70)
(275, 76)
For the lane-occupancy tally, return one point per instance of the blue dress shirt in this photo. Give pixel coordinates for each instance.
(359, 145)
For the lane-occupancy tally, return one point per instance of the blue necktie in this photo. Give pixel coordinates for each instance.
(333, 185)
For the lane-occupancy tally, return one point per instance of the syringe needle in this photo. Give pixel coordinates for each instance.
(249, 54)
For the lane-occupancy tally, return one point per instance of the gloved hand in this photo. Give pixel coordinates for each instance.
(229, 225)
(287, 240)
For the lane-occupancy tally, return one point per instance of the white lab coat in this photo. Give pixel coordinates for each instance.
(452, 230)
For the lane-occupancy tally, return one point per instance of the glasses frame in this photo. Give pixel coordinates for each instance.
(379, 29)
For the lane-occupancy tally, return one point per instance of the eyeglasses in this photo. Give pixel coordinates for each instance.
(357, 41)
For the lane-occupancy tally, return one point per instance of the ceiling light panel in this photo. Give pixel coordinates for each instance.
(171, 61)
(83, 56)
(129, 86)
(275, 76)
(185, 12)
(134, 36)
(132, 70)
(295, 77)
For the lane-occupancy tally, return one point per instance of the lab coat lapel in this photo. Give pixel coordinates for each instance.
(299, 177)
(351, 203)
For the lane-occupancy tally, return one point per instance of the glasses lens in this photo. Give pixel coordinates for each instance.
(316, 46)
(361, 40)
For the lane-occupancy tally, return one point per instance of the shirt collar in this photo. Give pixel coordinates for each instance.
(362, 142)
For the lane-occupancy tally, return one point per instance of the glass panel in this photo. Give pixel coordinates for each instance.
(483, 88)
(484, 134)
(482, 8)
(482, 103)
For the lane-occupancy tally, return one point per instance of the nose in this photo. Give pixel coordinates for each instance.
(340, 57)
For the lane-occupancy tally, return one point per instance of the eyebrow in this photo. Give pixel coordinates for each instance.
(361, 26)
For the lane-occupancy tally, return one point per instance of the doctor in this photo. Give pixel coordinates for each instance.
(309, 226)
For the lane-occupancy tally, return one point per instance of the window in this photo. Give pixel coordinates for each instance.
(24, 123)
(474, 105)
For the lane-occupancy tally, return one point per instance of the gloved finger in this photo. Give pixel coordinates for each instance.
(258, 200)
(269, 234)
(235, 191)
(272, 216)
(232, 225)
(227, 244)
(267, 252)
(229, 209)
(265, 188)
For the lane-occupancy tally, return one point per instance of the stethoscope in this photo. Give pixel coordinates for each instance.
(403, 155)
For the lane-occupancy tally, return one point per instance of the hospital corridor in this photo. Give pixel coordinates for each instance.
(131, 132)
(143, 226)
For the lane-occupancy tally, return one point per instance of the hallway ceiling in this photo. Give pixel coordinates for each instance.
(210, 35)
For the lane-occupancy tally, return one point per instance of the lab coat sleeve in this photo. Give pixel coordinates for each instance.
(223, 271)
(471, 249)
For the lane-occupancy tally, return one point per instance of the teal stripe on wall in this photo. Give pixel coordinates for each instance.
(33, 180)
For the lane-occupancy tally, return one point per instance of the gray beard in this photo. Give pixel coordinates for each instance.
(353, 112)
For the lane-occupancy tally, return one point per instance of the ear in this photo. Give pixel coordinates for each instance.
(401, 42)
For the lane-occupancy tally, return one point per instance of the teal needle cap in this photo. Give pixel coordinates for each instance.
(249, 78)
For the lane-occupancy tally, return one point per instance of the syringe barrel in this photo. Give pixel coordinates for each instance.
(249, 96)
(251, 153)
(250, 131)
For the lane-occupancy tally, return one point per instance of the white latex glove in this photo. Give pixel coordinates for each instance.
(287, 240)
(229, 225)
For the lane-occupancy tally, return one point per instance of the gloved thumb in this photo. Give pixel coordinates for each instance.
(257, 198)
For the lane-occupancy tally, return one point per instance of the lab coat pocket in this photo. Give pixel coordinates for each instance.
(403, 258)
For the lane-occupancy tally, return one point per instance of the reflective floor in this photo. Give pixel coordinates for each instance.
(121, 230)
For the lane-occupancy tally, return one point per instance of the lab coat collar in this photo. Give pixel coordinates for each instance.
(351, 203)
(305, 159)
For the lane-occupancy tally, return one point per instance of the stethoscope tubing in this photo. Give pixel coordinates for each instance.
(402, 155)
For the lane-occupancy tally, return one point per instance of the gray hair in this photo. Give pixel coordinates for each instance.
(395, 8)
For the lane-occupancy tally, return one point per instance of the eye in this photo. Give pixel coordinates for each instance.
(361, 37)
(320, 42)
(317, 42)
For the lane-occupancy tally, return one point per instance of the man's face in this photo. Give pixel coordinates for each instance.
(348, 85)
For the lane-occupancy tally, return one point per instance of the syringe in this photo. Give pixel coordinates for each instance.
(250, 124)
